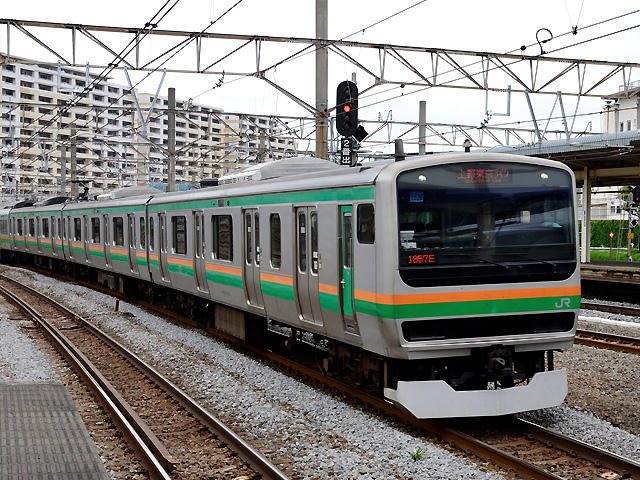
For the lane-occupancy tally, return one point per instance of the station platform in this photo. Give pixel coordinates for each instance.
(43, 437)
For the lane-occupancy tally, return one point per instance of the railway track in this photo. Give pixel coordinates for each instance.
(617, 309)
(609, 341)
(172, 434)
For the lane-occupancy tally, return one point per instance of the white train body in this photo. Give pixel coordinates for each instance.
(445, 280)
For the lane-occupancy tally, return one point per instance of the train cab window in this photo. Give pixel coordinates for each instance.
(118, 231)
(179, 228)
(315, 256)
(143, 234)
(19, 226)
(95, 230)
(366, 225)
(275, 232)
(45, 227)
(77, 229)
(302, 241)
(222, 237)
(32, 227)
(152, 235)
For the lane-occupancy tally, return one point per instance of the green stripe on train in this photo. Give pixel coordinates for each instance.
(335, 194)
(285, 292)
(234, 281)
(119, 257)
(154, 264)
(141, 261)
(481, 307)
(330, 302)
(181, 269)
(96, 253)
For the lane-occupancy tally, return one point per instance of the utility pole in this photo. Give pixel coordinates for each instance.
(322, 67)
(422, 128)
(171, 141)
(74, 165)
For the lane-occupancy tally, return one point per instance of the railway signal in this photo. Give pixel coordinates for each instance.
(347, 108)
(635, 196)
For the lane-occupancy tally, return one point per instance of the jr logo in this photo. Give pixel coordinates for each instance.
(563, 303)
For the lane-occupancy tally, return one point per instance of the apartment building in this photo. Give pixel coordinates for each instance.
(114, 147)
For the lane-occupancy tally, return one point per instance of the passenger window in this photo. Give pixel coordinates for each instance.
(276, 255)
(248, 241)
(366, 225)
(105, 224)
(19, 226)
(77, 229)
(131, 230)
(152, 237)
(143, 234)
(302, 242)
(118, 231)
(95, 230)
(222, 237)
(315, 260)
(45, 227)
(59, 228)
(179, 226)
(32, 227)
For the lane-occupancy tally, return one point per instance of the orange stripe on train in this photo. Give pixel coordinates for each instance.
(408, 299)
(267, 277)
(222, 269)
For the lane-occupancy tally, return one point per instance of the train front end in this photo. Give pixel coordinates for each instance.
(485, 283)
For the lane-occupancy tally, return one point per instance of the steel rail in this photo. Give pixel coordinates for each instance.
(609, 341)
(89, 373)
(255, 459)
(627, 468)
(617, 309)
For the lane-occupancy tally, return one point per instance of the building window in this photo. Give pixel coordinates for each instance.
(621, 126)
(222, 237)
(628, 124)
(274, 227)
(179, 226)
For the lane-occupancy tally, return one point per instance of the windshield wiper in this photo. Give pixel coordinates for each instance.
(476, 257)
(545, 262)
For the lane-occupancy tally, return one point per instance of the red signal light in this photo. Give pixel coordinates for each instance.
(347, 108)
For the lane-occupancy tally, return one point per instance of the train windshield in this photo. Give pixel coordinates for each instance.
(485, 222)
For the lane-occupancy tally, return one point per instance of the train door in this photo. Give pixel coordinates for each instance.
(251, 225)
(86, 237)
(346, 266)
(69, 233)
(131, 233)
(307, 264)
(199, 252)
(162, 251)
(105, 240)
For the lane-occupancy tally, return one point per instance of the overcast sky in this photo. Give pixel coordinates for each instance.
(495, 26)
